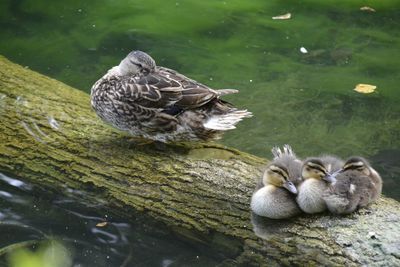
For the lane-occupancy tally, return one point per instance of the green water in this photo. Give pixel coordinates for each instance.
(305, 100)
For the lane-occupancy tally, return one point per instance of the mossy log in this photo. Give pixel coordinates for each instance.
(50, 136)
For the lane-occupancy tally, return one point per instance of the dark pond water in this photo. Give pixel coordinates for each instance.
(30, 213)
(304, 99)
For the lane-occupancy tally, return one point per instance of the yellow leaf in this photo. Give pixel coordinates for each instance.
(101, 224)
(284, 16)
(367, 8)
(365, 88)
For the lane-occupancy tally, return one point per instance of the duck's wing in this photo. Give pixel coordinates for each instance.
(151, 91)
(149, 118)
(194, 94)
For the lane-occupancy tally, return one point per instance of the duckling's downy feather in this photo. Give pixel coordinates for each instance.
(286, 157)
(310, 195)
(332, 163)
(311, 190)
(355, 188)
(351, 191)
(274, 203)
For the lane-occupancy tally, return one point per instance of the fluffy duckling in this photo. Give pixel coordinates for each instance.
(161, 104)
(332, 164)
(275, 194)
(357, 185)
(316, 173)
(292, 163)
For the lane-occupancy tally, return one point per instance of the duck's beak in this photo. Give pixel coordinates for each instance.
(290, 186)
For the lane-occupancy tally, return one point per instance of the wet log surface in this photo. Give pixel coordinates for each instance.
(50, 136)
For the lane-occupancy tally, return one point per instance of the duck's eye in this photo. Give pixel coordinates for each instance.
(136, 64)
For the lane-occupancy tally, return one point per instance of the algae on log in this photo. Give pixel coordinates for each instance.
(50, 135)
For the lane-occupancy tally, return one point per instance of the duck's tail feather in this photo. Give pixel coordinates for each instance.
(221, 92)
(226, 121)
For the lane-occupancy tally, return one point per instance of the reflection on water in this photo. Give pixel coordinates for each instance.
(264, 227)
(29, 213)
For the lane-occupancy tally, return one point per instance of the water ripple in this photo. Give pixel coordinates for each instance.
(15, 182)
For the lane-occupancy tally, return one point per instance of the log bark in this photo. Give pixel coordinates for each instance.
(50, 136)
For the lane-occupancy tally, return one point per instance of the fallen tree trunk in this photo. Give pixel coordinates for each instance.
(50, 135)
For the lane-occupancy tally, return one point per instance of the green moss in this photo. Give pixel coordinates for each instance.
(210, 153)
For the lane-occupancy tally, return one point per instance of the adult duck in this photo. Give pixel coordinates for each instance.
(160, 104)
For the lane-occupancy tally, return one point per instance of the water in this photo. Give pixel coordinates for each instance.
(30, 213)
(302, 99)
(306, 100)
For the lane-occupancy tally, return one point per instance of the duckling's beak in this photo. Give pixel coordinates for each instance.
(290, 186)
(330, 177)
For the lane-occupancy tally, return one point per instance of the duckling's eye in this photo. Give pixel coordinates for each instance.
(308, 169)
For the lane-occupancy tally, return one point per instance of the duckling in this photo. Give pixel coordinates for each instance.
(357, 185)
(288, 158)
(274, 195)
(160, 104)
(316, 173)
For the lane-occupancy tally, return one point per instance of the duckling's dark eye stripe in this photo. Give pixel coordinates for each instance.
(354, 166)
(317, 167)
(280, 172)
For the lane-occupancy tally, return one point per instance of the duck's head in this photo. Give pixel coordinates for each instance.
(278, 175)
(315, 168)
(136, 62)
(358, 164)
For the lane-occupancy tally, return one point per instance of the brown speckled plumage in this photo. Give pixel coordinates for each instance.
(161, 104)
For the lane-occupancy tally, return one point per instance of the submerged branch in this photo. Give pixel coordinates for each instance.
(50, 136)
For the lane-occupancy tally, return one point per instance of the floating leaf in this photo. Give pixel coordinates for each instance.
(101, 224)
(367, 8)
(365, 88)
(284, 16)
